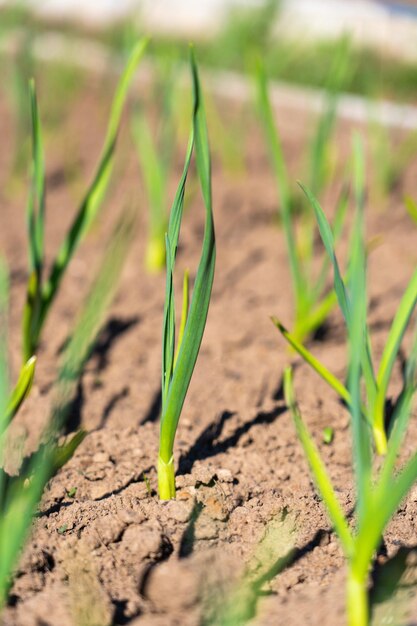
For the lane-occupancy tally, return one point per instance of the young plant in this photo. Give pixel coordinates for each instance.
(238, 606)
(178, 363)
(379, 488)
(312, 302)
(21, 493)
(227, 138)
(390, 162)
(11, 401)
(155, 159)
(376, 380)
(411, 206)
(42, 290)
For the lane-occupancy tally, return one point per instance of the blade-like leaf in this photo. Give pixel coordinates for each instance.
(66, 451)
(92, 201)
(174, 227)
(35, 218)
(339, 70)
(194, 328)
(401, 416)
(392, 345)
(154, 173)
(4, 374)
(22, 388)
(367, 363)
(316, 316)
(168, 350)
(386, 499)
(101, 293)
(338, 223)
(313, 362)
(35, 211)
(357, 335)
(318, 469)
(341, 290)
(280, 168)
(328, 242)
(184, 310)
(411, 206)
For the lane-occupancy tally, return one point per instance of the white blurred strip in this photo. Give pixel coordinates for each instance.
(376, 23)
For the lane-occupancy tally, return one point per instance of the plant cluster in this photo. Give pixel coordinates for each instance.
(377, 433)
(380, 486)
(20, 492)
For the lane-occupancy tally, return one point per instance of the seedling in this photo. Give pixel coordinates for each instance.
(379, 492)
(328, 435)
(312, 302)
(227, 138)
(238, 606)
(21, 493)
(24, 383)
(147, 484)
(390, 162)
(376, 380)
(41, 290)
(178, 364)
(411, 206)
(155, 159)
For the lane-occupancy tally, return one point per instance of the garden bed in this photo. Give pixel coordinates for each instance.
(104, 550)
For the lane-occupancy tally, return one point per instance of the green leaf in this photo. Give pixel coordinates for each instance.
(168, 351)
(273, 139)
(66, 451)
(174, 227)
(342, 292)
(194, 328)
(35, 211)
(93, 198)
(392, 346)
(400, 417)
(22, 388)
(284, 190)
(338, 223)
(411, 206)
(339, 70)
(35, 219)
(92, 315)
(315, 317)
(313, 362)
(4, 374)
(328, 242)
(386, 498)
(357, 336)
(318, 469)
(328, 435)
(184, 311)
(154, 173)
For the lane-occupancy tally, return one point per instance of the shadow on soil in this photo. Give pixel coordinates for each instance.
(394, 583)
(113, 330)
(207, 446)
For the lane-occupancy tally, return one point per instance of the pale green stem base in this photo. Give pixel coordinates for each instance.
(155, 255)
(166, 479)
(380, 439)
(357, 600)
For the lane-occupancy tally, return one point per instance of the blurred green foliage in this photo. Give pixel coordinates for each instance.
(248, 33)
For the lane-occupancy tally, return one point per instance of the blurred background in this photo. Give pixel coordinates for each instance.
(297, 41)
(295, 37)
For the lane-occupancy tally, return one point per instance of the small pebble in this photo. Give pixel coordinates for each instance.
(224, 476)
(101, 457)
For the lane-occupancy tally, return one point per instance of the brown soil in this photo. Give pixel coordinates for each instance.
(114, 554)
